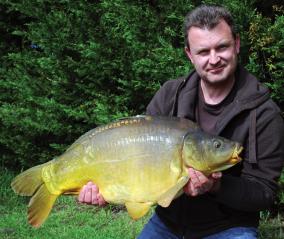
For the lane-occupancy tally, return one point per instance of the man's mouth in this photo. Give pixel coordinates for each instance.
(216, 69)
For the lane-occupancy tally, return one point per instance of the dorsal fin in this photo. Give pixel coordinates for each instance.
(115, 124)
(118, 123)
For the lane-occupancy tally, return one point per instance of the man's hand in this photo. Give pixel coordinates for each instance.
(199, 184)
(90, 195)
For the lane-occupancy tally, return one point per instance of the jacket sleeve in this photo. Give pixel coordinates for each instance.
(256, 189)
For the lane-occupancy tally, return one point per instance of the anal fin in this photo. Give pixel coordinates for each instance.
(167, 197)
(137, 209)
(40, 206)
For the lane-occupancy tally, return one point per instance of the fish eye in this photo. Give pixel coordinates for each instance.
(217, 144)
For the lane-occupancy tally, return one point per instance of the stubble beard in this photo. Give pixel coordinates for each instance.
(220, 81)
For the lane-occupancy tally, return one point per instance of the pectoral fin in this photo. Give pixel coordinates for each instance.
(136, 209)
(167, 197)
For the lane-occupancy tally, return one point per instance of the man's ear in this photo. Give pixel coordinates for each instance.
(188, 53)
(238, 43)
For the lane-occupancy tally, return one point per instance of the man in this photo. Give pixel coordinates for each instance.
(224, 99)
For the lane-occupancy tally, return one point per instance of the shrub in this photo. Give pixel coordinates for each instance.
(68, 66)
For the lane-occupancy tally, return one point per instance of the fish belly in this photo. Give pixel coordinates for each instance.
(136, 164)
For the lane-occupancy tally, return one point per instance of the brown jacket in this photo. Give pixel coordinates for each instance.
(252, 119)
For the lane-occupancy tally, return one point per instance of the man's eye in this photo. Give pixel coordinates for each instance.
(203, 53)
(223, 47)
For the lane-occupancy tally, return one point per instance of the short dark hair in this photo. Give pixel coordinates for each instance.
(208, 16)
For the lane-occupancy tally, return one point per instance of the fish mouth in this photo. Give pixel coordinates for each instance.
(235, 158)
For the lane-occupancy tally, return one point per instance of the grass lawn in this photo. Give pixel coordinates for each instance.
(68, 219)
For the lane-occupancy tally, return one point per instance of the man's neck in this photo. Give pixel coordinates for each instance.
(214, 94)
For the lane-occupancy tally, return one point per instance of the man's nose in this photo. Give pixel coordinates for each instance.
(214, 58)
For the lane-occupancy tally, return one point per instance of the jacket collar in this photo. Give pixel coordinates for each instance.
(186, 97)
(250, 94)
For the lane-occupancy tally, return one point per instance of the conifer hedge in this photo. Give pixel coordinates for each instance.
(68, 66)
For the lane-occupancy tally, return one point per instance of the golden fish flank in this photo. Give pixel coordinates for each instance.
(139, 161)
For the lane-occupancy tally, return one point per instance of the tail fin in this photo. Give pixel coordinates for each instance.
(26, 183)
(30, 183)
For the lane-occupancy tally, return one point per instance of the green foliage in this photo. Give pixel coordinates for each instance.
(68, 66)
(77, 65)
(266, 58)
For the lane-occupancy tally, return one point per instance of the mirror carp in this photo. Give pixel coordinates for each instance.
(137, 161)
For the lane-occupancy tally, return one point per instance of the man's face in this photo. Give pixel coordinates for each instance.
(213, 52)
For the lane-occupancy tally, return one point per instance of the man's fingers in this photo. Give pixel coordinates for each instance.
(197, 178)
(216, 175)
(101, 200)
(82, 194)
(94, 190)
(193, 177)
(199, 183)
(190, 190)
(201, 177)
(88, 194)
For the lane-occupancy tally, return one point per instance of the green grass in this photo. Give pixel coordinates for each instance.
(69, 219)
(271, 228)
